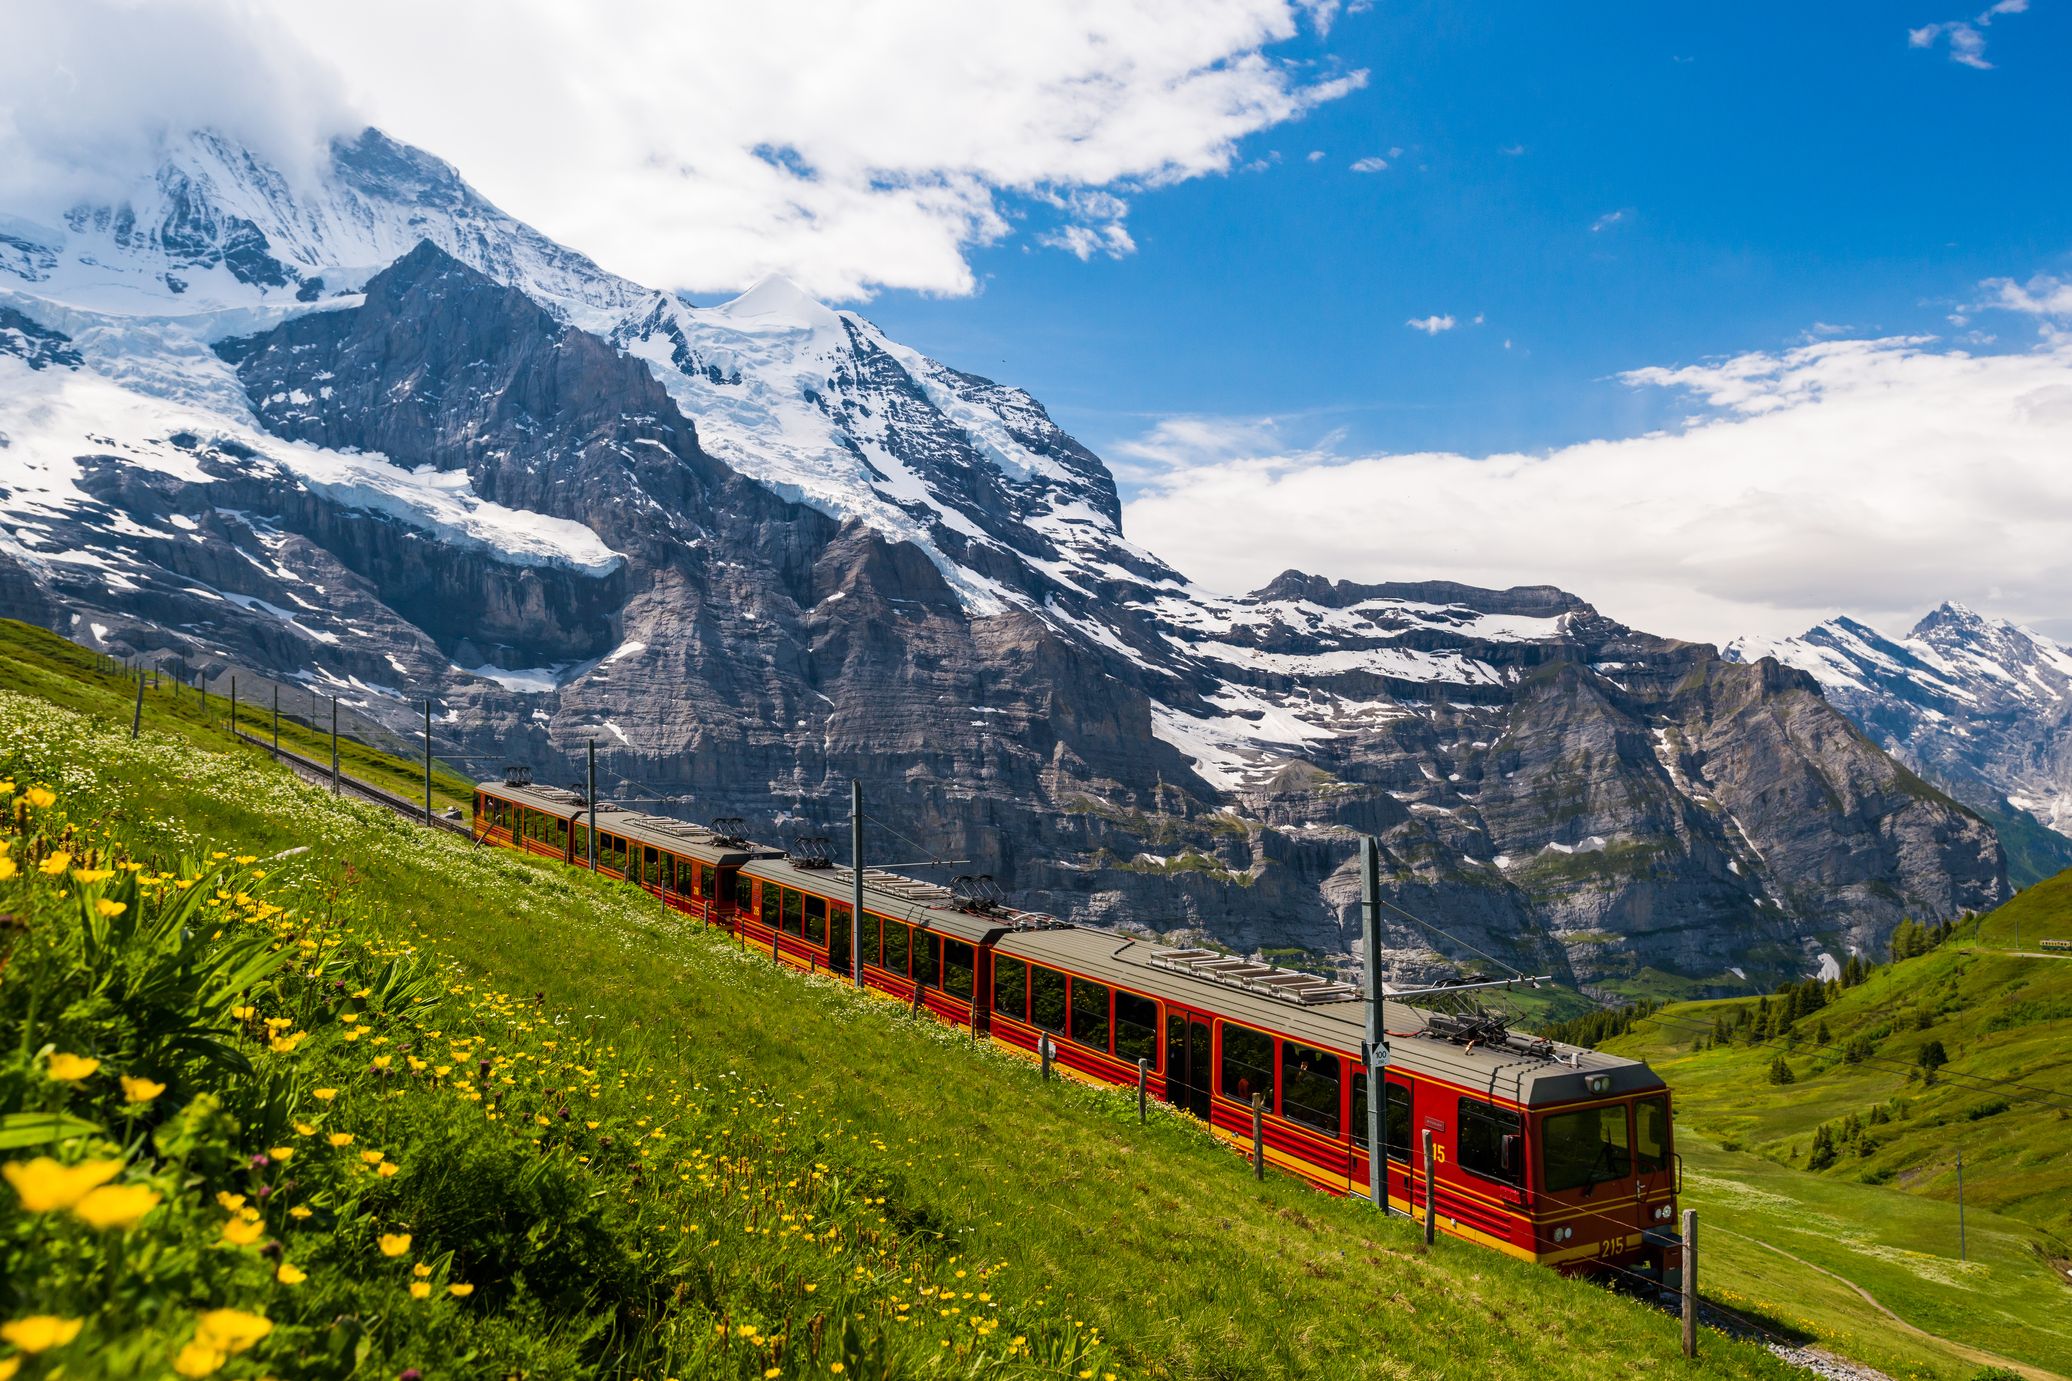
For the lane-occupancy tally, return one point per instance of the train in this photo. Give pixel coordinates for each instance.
(1546, 1152)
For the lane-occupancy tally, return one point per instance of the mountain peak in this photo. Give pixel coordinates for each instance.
(777, 303)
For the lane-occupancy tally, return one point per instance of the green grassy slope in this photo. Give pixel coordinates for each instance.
(42, 663)
(1883, 1212)
(1156, 1237)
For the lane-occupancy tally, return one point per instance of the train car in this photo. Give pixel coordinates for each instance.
(1547, 1152)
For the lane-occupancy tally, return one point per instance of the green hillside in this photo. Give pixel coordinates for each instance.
(1852, 1163)
(764, 1174)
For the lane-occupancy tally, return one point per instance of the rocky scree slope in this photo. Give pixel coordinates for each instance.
(1979, 705)
(377, 436)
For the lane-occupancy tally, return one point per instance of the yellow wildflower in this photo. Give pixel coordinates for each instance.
(285, 1045)
(290, 1274)
(70, 1069)
(354, 1034)
(55, 864)
(386, 1169)
(382, 1061)
(243, 1013)
(137, 1089)
(341, 1138)
(8, 1365)
(198, 1359)
(40, 797)
(43, 1185)
(299, 1212)
(231, 1202)
(460, 1290)
(281, 1153)
(239, 1233)
(7, 868)
(109, 910)
(420, 1289)
(395, 1243)
(323, 1095)
(40, 1332)
(116, 1206)
(305, 1129)
(231, 1330)
(87, 877)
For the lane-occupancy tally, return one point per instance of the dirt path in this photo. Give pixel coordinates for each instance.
(1964, 1350)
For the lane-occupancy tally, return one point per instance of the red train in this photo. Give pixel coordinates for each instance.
(1548, 1152)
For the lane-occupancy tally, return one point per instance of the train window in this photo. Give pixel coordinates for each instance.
(708, 882)
(1651, 1135)
(659, 872)
(744, 893)
(770, 894)
(957, 962)
(794, 913)
(838, 938)
(896, 935)
(1584, 1148)
(1247, 1064)
(1090, 1013)
(1309, 1087)
(816, 921)
(1136, 1027)
(873, 939)
(1010, 987)
(582, 844)
(558, 834)
(683, 881)
(927, 960)
(1488, 1141)
(1047, 998)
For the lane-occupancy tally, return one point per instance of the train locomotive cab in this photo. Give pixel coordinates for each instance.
(1604, 1174)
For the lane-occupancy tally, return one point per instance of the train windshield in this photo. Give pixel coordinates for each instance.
(1651, 1135)
(1584, 1148)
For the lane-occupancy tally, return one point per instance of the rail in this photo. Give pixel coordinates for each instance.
(402, 805)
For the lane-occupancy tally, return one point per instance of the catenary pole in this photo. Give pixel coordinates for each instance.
(590, 796)
(1961, 1256)
(137, 719)
(1377, 1034)
(276, 721)
(856, 878)
(233, 707)
(334, 745)
(428, 760)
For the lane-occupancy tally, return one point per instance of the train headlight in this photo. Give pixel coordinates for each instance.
(1598, 1083)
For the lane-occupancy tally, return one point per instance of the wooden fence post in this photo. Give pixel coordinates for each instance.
(1431, 1199)
(1044, 1050)
(1258, 1136)
(1690, 1282)
(1143, 1077)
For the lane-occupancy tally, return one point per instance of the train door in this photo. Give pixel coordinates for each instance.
(1188, 1063)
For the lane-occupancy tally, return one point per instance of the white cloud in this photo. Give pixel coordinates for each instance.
(2042, 296)
(1370, 164)
(1607, 221)
(1870, 476)
(1431, 325)
(1314, 156)
(1966, 43)
(1512, 150)
(695, 146)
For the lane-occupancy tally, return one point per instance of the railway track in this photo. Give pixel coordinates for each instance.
(319, 772)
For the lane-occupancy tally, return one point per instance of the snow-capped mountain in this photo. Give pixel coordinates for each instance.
(368, 432)
(1980, 705)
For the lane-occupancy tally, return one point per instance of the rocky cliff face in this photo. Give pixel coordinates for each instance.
(754, 550)
(1981, 706)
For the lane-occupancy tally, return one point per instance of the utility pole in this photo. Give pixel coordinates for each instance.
(1960, 1205)
(276, 722)
(1377, 1043)
(233, 707)
(428, 760)
(334, 745)
(856, 879)
(1690, 1282)
(137, 719)
(590, 795)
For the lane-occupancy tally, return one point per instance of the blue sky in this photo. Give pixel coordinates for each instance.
(1638, 185)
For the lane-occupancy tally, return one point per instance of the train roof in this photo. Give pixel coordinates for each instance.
(1530, 1072)
(1309, 1009)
